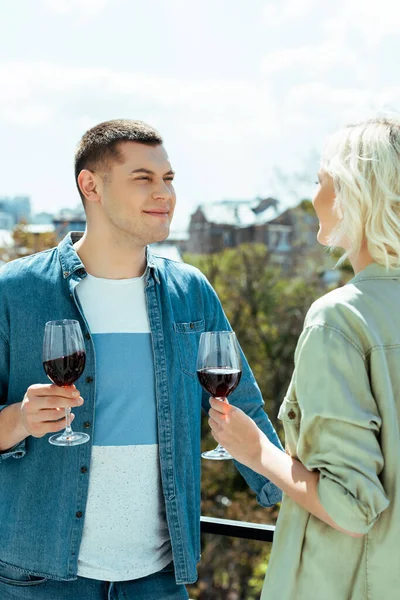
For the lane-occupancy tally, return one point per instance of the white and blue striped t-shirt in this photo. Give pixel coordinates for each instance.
(125, 533)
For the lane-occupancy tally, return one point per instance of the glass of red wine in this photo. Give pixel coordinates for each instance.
(64, 358)
(219, 369)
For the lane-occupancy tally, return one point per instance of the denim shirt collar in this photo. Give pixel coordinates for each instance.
(71, 262)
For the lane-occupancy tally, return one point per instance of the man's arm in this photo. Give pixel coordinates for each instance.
(12, 431)
(40, 412)
(248, 398)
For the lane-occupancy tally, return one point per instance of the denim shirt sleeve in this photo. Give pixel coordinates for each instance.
(247, 397)
(18, 451)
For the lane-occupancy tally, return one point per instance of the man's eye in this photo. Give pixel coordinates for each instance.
(169, 179)
(142, 178)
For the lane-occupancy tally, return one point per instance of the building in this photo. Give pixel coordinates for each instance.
(288, 234)
(229, 223)
(69, 220)
(179, 239)
(18, 207)
(6, 221)
(42, 218)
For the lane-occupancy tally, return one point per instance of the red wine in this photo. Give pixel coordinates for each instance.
(65, 371)
(219, 381)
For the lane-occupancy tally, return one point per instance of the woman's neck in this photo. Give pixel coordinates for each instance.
(361, 261)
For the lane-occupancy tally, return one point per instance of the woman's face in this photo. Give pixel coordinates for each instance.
(323, 203)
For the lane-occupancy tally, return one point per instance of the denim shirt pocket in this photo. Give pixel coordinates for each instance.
(290, 415)
(187, 340)
(12, 576)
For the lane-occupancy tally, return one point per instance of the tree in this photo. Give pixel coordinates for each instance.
(27, 242)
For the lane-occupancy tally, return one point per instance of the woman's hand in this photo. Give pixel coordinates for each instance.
(236, 432)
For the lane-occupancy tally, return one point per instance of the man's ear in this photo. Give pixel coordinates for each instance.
(89, 184)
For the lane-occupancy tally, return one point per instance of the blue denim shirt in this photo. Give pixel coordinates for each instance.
(43, 494)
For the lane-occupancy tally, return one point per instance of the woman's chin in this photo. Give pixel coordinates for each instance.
(322, 238)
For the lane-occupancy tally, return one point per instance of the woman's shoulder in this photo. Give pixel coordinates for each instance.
(346, 311)
(337, 307)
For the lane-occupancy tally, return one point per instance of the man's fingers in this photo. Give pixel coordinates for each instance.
(54, 426)
(50, 414)
(39, 390)
(39, 403)
(60, 402)
(40, 430)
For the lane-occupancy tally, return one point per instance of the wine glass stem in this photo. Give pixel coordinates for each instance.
(68, 430)
(220, 448)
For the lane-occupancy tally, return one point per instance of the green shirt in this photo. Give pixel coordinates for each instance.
(341, 417)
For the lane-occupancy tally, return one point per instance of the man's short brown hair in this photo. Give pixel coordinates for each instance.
(100, 145)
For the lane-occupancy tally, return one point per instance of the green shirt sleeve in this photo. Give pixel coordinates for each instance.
(338, 431)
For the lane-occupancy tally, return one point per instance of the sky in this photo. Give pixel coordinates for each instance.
(243, 93)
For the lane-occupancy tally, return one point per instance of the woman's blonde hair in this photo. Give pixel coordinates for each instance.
(364, 162)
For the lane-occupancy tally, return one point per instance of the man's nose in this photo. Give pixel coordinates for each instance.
(162, 191)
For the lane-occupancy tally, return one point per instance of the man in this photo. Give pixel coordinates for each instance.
(117, 517)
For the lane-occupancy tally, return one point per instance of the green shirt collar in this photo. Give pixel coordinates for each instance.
(376, 271)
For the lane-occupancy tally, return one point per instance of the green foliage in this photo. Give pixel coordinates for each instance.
(307, 206)
(27, 243)
(265, 309)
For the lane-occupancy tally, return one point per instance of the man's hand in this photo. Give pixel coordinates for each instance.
(42, 409)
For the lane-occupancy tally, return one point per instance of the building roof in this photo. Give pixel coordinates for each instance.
(42, 228)
(238, 213)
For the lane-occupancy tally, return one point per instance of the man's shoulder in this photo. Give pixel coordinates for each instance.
(34, 264)
(171, 267)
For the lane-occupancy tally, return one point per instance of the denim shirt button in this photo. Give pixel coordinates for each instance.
(89, 379)
(79, 514)
(83, 469)
(191, 325)
(86, 425)
(87, 335)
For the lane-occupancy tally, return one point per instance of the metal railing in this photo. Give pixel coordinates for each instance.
(239, 529)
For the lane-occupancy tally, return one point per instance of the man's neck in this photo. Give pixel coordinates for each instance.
(109, 260)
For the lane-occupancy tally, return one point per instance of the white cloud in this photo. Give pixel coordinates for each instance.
(212, 107)
(277, 12)
(310, 60)
(81, 9)
(373, 20)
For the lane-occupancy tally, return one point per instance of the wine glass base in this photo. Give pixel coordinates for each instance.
(217, 454)
(73, 439)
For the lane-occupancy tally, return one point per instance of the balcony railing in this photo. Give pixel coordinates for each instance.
(239, 529)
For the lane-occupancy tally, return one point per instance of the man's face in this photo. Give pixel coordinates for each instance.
(137, 196)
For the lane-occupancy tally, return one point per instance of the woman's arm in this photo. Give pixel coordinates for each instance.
(242, 438)
(332, 425)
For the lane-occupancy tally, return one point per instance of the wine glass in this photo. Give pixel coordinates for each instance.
(64, 358)
(219, 369)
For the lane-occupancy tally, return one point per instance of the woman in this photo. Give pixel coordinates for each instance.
(338, 532)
